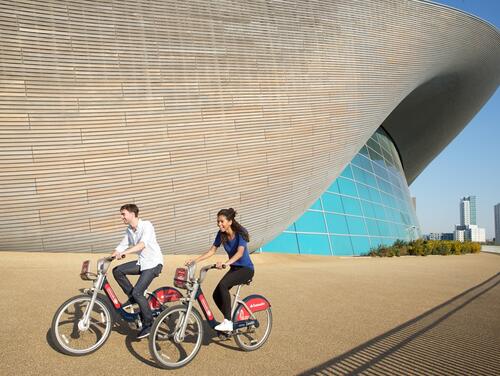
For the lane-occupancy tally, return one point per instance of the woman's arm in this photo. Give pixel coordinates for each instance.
(236, 257)
(204, 256)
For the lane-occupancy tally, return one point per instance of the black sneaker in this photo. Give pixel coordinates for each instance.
(144, 332)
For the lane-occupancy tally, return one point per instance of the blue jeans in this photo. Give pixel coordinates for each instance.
(137, 292)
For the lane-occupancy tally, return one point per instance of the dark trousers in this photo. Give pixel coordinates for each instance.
(137, 292)
(235, 276)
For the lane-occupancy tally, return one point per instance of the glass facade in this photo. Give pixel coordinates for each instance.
(369, 204)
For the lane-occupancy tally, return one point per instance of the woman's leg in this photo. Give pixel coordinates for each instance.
(233, 277)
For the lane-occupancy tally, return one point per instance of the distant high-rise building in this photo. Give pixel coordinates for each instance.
(468, 211)
(497, 224)
(468, 230)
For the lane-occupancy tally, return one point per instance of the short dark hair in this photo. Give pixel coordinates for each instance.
(132, 208)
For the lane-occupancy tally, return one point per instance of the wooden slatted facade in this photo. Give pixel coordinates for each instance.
(186, 107)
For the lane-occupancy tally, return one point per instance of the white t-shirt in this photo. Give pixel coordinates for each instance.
(151, 255)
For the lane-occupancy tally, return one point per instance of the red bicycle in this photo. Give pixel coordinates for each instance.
(83, 323)
(177, 333)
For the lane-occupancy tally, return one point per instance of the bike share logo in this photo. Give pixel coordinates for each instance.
(257, 305)
(112, 295)
(205, 306)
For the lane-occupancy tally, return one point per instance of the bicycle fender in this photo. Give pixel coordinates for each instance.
(165, 294)
(255, 303)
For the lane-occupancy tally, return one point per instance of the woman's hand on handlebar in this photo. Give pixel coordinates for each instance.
(190, 262)
(221, 265)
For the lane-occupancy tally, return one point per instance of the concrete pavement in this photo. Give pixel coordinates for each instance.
(418, 315)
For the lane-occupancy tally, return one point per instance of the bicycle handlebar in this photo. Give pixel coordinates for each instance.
(204, 270)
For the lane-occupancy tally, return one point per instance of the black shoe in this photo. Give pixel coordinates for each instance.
(144, 332)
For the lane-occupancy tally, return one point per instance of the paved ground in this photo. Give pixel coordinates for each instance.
(410, 315)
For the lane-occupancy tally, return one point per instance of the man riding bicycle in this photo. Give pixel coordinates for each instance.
(139, 238)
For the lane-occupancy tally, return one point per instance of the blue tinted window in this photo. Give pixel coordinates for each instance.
(363, 191)
(384, 228)
(368, 209)
(375, 155)
(347, 187)
(360, 245)
(334, 187)
(370, 180)
(347, 173)
(379, 211)
(332, 203)
(375, 195)
(314, 244)
(384, 186)
(291, 227)
(341, 245)
(362, 162)
(359, 174)
(369, 203)
(373, 144)
(284, 243)
(356, 225)
(364, 151)
(311, 222)
(336, 223)
(372, 227)
(387, 200)
(394, 230)
(317, 205)
(380, 171)
(351, 205)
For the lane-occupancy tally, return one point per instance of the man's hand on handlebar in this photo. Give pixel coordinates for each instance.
(117, 255)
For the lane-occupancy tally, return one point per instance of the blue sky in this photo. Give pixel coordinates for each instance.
(470, 164)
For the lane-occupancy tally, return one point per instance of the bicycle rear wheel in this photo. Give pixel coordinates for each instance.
(252, 337)
(164, 345)
(71, 336)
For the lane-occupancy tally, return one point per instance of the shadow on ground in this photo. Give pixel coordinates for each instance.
(458, 337)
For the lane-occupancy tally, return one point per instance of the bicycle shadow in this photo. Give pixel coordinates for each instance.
(448, 339)
(50, 341)
(130, 340)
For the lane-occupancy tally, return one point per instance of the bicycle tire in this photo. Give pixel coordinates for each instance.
(161, 339)
(99, 328)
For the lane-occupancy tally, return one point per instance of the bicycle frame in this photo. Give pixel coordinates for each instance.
(195, 293)
(100, 282)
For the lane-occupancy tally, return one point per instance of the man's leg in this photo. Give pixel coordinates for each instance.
(142, 284)
(120, 273)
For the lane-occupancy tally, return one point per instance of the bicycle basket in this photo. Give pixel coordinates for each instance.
(85, 273)
(180, 278)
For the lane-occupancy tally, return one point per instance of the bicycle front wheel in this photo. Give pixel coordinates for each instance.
(166, 347)
(74, 337)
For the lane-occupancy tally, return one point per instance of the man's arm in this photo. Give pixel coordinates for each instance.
(134, 249)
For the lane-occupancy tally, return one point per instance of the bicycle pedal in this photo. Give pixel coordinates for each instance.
(224, 337)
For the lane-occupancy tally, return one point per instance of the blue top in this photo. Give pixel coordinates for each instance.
(231, 247)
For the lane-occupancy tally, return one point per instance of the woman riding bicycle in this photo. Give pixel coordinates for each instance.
(234, 237)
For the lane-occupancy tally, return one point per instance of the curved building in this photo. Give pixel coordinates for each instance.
(188, 107)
